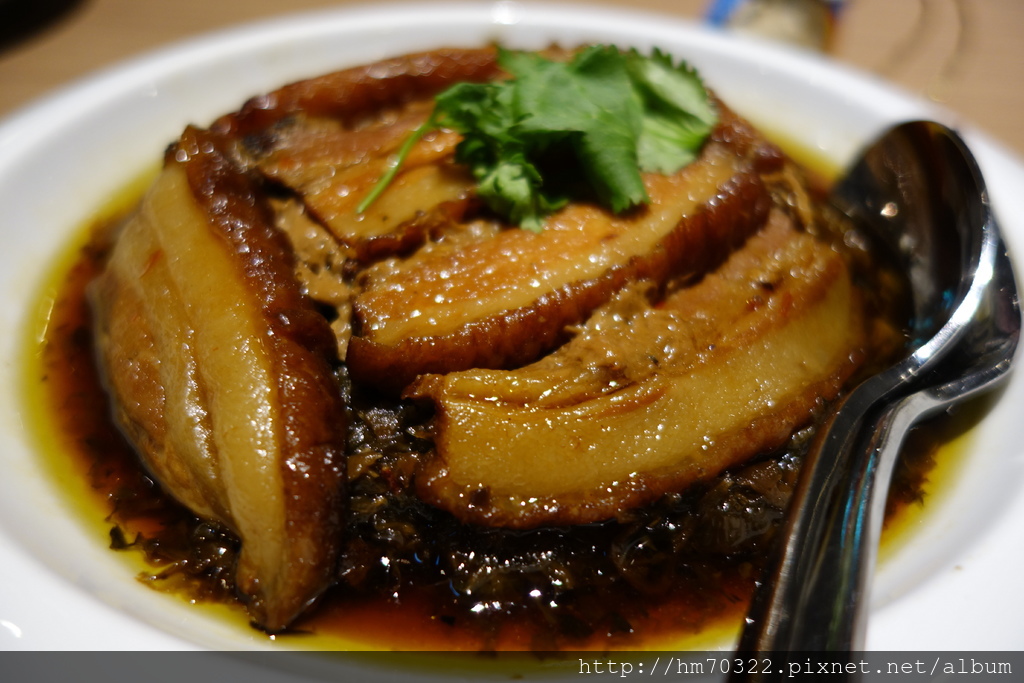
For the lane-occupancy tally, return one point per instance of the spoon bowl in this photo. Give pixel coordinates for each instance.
(918, 190)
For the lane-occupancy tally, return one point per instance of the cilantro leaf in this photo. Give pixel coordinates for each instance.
(678, 114)
(591, 105)
(601, 118)
(496, 153)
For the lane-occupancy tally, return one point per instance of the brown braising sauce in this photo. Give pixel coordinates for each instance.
(411, 577)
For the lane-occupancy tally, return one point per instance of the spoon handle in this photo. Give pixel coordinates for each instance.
(815, 589)
(814, 586)
(814, 595)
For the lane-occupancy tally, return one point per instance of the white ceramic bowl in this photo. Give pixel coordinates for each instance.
(950, 586)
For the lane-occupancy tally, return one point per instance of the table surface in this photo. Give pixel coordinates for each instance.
(964, 54)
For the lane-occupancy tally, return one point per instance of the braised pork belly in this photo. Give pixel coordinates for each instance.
(222, 374)
(506, 299)
(560, 377)
(649, 399)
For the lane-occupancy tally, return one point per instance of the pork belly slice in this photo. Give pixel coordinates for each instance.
(333, 168)
(647, 400)
(222, 375)
(329, 138)
(501, 302)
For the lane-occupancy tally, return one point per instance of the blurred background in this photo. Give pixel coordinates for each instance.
(967, 55)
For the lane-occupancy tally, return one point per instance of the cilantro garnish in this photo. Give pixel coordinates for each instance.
(556, 130)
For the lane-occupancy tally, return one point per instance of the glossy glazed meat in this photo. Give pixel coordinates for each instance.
(507, 298)
(570, 375)
(211, 333)
(222, 374)
(646, 399)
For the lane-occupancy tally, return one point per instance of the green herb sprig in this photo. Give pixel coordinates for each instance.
(557, 130)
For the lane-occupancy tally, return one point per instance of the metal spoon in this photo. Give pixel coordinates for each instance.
(918, 189)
